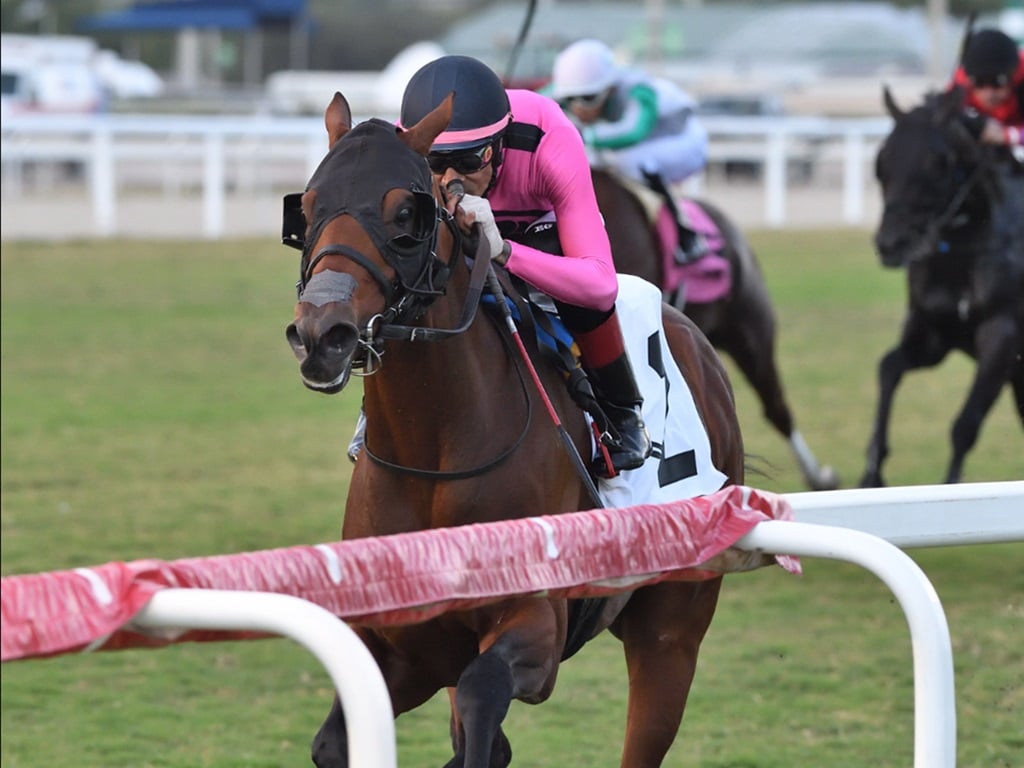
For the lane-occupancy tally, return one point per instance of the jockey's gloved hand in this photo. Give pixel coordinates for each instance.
(974, 122)
(478, 211)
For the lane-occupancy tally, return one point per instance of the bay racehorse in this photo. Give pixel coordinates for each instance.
(953, 215)
(450, 440)
(723, 293)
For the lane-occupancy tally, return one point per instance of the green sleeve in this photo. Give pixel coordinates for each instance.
(638, 120)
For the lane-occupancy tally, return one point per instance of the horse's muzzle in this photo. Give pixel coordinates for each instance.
(325, 359)
(894, 250)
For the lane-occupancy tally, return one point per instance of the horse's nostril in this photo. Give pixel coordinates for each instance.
(295, 341)
(340, 339)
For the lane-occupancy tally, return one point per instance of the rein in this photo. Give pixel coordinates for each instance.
(420, 278)
(381, 327)
(948, 218)
(385, 325)
(943, 220)
(462, 474)
(390, 329)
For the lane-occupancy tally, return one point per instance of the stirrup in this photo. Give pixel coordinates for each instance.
(696, 248)
(629, 448)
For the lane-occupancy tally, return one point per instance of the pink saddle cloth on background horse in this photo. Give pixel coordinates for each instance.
(707, 278)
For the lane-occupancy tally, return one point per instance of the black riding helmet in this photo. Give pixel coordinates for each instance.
(991, 56)
(480, 109)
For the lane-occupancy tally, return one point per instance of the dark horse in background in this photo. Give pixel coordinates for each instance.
(954, 217)
(738, 318)
(450, 440)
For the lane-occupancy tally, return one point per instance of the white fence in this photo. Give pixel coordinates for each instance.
(221, 154)
(847, 525)
(851, 526)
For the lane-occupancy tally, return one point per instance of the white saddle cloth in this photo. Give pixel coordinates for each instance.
(680, 466)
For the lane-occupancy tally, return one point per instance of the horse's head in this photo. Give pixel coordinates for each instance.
(928, 167)
(370, 251)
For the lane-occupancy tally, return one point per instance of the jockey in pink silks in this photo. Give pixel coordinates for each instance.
(527, 181)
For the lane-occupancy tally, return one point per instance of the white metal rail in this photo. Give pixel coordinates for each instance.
(921, 515)
(851, 526)
(103, 143)
(356, 677)
(934, 695)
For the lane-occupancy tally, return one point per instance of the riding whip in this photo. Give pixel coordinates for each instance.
(518, 46)
(455, 189)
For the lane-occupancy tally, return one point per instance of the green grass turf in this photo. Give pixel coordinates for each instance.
(151, 408)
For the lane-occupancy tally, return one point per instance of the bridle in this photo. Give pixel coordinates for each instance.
(352, 179)
(952, 215)
(406, 302)
(420, 276)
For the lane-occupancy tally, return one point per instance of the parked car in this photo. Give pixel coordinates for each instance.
(32, 87)
(68, 74)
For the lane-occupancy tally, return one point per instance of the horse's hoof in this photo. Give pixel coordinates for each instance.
(872, 480)
(501, 754)
(826, 480)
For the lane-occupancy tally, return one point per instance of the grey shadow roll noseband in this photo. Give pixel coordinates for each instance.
(327, 286)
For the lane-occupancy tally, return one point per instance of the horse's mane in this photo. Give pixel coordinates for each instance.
(943, 111)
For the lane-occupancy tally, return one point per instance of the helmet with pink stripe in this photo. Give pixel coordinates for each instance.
(480, 109)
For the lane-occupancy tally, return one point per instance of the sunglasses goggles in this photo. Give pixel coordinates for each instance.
(587, 100)
(990, 81)
(464, 161)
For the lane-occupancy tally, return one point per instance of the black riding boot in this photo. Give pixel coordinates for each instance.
(691, 245)
(626, 435)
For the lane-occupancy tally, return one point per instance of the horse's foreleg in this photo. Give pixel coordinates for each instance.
(890, 371)
(1018, 384)
(479, 705)
(521, 643)
(997, 346)
(920, 346)
(501, 750)
(330, 745)
(410, 679)
(661, 630)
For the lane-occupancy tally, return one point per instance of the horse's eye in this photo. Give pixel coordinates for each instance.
(405, 217)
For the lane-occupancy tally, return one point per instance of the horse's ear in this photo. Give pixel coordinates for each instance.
(890, 104)
(337, 118)
(420, 137)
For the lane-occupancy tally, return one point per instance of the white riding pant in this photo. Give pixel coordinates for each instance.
(675, 157)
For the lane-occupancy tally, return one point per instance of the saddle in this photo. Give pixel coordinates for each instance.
(706, 279)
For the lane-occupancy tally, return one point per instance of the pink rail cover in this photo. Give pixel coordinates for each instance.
(403, 578)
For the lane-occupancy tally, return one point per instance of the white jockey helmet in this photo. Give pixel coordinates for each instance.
(584, 68)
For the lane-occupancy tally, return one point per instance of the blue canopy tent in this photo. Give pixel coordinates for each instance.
(188, 18)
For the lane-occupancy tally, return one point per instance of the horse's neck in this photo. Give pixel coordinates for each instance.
(426, 390)
(970, 227)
